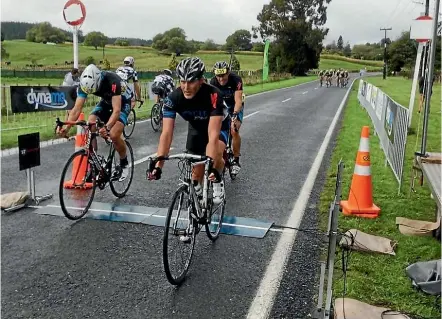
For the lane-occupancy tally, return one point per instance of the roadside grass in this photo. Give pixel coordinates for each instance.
(374, 278)
(13, 125)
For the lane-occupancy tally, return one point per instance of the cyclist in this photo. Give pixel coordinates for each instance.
(113, 109)
(127, 72)
(231, 86)
(202, 106)
(163, 85)
(321, 76)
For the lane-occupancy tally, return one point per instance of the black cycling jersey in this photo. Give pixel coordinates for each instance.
(110, 85)
(234, 83)
(197, 111)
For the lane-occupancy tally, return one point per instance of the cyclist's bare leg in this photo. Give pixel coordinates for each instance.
(236, 139)
(218, 162)
(116, 136)
(93, 118)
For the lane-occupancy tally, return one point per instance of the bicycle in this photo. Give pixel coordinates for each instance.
(98, 171)
(156, 115)
(228, 156)
(199, 212)
(131, 120)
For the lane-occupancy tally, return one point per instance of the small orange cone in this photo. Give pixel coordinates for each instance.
(360, 198)
(80, 162)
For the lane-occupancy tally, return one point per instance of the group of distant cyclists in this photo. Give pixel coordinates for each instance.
(211, 110)
(339, 76)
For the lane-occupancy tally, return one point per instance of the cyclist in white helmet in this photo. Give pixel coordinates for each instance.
(127, 73)
(113, 109)
(162, 85)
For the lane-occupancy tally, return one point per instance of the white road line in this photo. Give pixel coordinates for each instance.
(305, 92)
(286, 100)
(263, 302)
(251, 114)
(316, 88)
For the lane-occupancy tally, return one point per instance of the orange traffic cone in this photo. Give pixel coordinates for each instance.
(78, 179)
(360, 199)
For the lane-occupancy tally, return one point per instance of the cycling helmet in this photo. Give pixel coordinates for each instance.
(221, 67)
(129, 60)
(159, 88)
(190, 69)
(167, 72)
(90, 79)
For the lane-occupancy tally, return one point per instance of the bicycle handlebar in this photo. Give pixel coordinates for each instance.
(141, 103)
(59, 123)
(180, 156)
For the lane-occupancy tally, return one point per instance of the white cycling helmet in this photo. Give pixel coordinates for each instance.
(90, 79)
(129, 60)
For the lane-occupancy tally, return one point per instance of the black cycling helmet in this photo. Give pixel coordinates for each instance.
(190, 69)
(221, 67)
(167, 72)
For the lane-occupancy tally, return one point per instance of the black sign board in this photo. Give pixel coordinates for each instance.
(29, 150)
(42, 98)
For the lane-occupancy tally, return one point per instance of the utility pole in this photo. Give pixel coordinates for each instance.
(427, 45)
(429, 79)
(385, 51)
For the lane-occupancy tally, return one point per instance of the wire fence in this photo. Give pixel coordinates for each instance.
(390, 120)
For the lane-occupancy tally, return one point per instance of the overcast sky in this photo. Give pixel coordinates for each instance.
(358, 21)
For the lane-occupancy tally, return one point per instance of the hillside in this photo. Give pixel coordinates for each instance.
(22, 53)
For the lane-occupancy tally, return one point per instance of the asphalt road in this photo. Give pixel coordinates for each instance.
(56, 268)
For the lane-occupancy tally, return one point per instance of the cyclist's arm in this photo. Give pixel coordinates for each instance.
(214, 130)
(238, 96)
(76, 110)
(166, 136)
(137, 86)
(116, 110)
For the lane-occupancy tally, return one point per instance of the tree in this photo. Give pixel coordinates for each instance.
(258, 46)
(401, 53)
(296, 27)
(89, 60)
(340, 43)
(173, 63)
(121, 42)
(239, 40)
(347, 50)
(235, 65)
(95, 39)
(5, 54)
(3, 37)
(44, 32)
(209, 45)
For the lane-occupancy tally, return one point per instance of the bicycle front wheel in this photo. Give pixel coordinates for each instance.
(77, 185)
(179, 230)
(121, 182)
(130, 127)
(155, 117)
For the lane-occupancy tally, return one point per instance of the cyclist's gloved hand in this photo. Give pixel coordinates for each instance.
(153, 173)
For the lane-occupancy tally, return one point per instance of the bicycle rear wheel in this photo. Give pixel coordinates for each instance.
(155, 117)
(120, 187)
(130, 127)
(181, 228)
(78, 182)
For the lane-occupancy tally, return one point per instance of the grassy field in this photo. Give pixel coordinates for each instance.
(374, 278)
(43, 122)
(23, 52)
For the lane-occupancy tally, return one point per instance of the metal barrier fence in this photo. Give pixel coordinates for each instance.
(14, 124)
(390, 120)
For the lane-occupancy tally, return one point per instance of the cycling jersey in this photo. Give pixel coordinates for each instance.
(197, 111)
(110, 85)
(127, 73)
(234, 83)
(163, 85)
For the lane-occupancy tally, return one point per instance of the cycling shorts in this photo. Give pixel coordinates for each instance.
(104, 111)
(197, 140)
(240, 113)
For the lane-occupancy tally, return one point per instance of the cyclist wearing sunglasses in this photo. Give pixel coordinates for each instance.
(231, 86)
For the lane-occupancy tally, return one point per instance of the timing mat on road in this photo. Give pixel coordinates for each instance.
(155, 216)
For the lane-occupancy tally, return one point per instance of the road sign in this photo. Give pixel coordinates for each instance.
(74, 12)
(421, 29)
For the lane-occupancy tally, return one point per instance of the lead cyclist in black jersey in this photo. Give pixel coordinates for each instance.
(202, 106)
(113, 109)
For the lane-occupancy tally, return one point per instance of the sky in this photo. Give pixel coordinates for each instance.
(358, 21)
